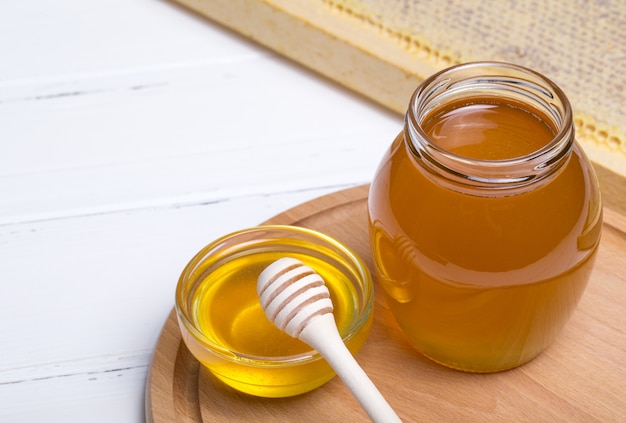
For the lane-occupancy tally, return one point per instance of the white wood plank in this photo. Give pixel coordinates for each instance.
(57, 40)
(196, 131)
(111, 396)
(190, 138)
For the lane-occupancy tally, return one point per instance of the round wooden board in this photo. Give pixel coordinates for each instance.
(582, 377)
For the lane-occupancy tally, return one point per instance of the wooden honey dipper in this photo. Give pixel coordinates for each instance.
(296, 299)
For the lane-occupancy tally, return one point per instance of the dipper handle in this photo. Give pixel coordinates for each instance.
(296, 299)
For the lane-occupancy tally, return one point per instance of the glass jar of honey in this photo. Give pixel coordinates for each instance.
(485, 217)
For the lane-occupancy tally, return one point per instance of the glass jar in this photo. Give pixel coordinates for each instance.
(485, 217)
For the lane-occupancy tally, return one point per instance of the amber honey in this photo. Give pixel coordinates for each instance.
(226, 329)
(483, 280)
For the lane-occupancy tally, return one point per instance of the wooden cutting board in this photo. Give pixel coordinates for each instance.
(581, 377)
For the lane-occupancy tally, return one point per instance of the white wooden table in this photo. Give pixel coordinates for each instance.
(132, 133)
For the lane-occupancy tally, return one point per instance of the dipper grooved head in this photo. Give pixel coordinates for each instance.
(292, 294)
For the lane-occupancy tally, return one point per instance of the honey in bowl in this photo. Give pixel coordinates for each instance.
(227, 309)
(225, 328)
(485, 219)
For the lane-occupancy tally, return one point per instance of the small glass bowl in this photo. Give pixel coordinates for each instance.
(224, 327)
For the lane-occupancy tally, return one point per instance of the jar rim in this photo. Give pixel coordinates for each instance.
(502, 80)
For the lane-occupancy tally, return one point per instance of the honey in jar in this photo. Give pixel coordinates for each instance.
(485, 217)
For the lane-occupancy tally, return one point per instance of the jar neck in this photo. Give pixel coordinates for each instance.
(506, 83)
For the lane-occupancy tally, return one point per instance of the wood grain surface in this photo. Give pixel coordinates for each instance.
(581, 377)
